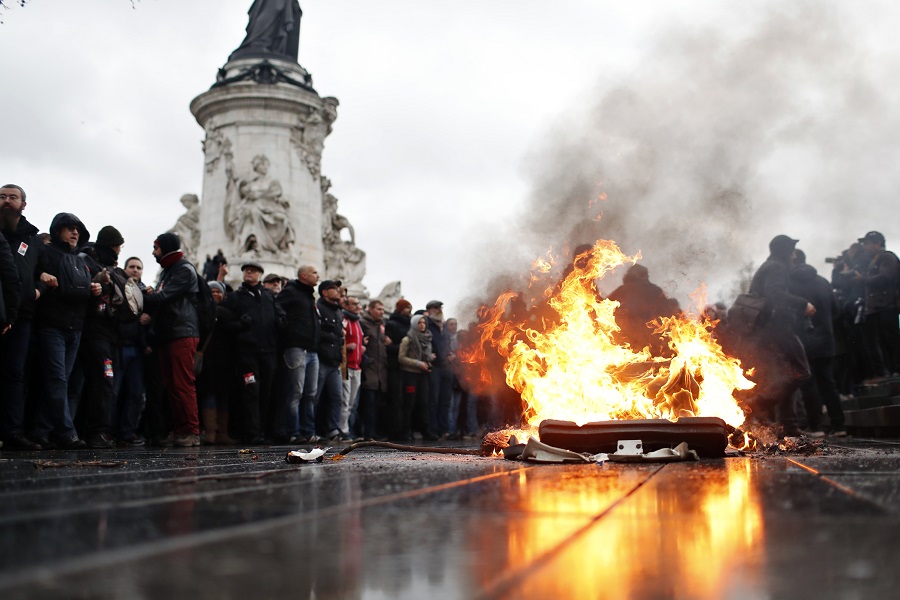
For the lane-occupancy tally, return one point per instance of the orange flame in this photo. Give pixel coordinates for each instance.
(566, 362)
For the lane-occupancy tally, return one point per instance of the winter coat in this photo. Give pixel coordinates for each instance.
(54, 308)
(10, 286)
(440, 344)
(881, 280)
(353, 334)
(302, 327)
(395, 328)
(415, 348)
(257, 318)
(172, 307)
(772, 281)
(331, 342)
(816, 332)
(100, 324)
(375, 367)
(26, 249)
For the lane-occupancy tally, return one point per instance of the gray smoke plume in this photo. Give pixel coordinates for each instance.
(715, 144)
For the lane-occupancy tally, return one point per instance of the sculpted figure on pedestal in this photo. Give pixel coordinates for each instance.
(188, 226)
(333, 223)
(273, 28)
(256, 214)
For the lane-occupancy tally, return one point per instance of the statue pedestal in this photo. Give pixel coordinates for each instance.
(263, 111)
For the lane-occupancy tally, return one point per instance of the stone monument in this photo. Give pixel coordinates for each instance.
(264, 196)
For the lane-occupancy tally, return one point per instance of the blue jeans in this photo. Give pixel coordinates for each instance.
(329, 398)
(13, 354)
(129, 390)
(58, 350)
(303, 379)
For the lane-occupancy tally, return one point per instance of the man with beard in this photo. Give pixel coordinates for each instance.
(258, 319)
(775, 350)
(66, 291)
(881, 286)
(374, 383)
(441, 378)
(100, 341)
(176, 325)
(329, 395)
(25, 246)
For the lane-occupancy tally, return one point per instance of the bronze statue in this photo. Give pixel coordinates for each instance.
(273, 29)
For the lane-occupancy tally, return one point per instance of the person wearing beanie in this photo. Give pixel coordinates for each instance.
(775, 350)
(100, 341)
(176, 325)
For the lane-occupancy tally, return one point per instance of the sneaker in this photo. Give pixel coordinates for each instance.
(186, 440)
(100, 441)
(839, 433)
(133, 440)
(815, 434)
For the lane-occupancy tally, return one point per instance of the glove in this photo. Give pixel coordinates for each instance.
(246, 320)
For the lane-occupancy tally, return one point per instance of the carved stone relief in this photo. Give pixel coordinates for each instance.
(187, 227)
(215, 147)
(257, 216)
(308, 135)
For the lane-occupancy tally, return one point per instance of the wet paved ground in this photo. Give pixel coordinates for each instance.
(383, 524)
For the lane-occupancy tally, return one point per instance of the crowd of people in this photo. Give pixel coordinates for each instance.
(815, 341)
(91, 356)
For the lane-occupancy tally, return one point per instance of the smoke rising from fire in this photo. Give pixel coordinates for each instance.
(779, 121)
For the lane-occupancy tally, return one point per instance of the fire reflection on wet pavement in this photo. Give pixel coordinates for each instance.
(383, 524)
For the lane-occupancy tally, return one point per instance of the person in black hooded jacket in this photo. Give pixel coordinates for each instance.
(100, 342)
(25, 247)
(817, 335)
(65, 293)
(776, 351)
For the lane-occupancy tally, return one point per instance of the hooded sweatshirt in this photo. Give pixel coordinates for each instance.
(56, 307)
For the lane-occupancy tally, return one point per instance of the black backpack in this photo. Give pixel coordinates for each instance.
(74, 279)
(206, 308)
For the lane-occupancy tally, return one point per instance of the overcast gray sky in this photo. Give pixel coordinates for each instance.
(472, 136)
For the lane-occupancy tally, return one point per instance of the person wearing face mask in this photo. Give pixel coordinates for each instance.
(100, 341)
(66, 290)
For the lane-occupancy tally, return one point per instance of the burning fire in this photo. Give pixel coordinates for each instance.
(564, 359)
